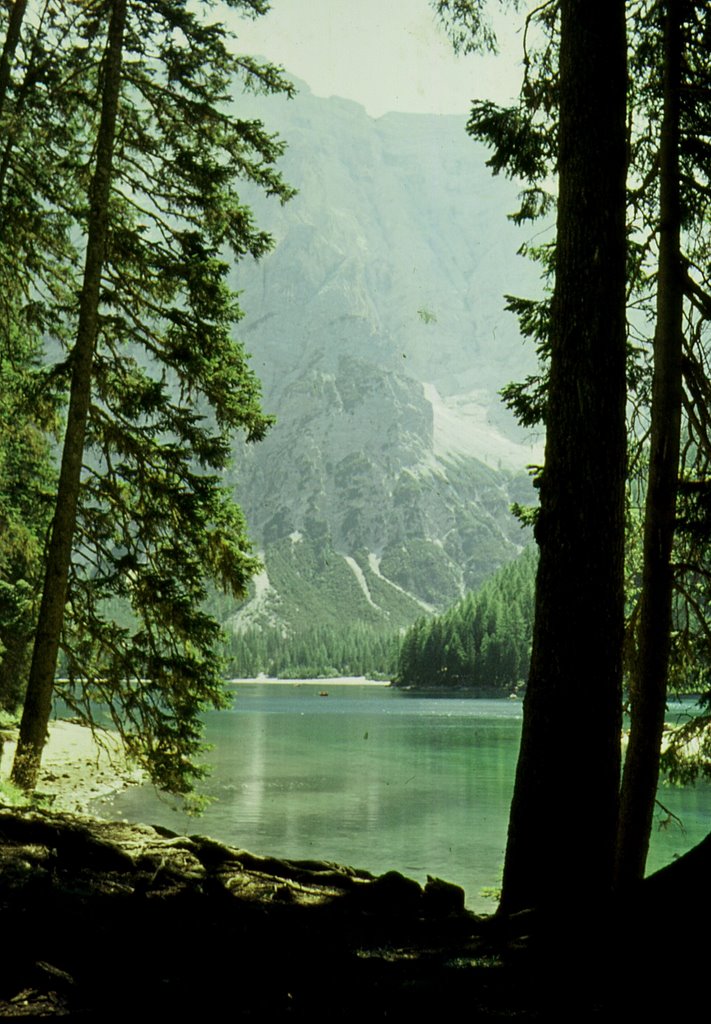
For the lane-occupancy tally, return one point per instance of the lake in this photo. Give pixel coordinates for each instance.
(375, 778)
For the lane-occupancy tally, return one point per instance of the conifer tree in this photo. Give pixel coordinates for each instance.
(576, 661)
(484, 639)
(26, 485)
(667, 194)
(650, 667)
(158, 383)
(671, 89)
(40, 686)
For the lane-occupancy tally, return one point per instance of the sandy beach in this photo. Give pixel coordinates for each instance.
(322, 681)
(78, 766)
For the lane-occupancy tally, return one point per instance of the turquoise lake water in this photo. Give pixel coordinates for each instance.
(374, 778)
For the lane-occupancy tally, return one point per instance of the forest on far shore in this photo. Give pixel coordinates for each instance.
(482, 642)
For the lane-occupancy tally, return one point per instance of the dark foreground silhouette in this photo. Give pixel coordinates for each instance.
(104, 920)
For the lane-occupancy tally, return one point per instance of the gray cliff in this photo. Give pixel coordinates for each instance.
(378, 329)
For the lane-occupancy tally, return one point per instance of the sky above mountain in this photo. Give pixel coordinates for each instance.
(388, 55)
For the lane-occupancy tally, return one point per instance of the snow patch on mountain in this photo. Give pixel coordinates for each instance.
(463, 426)
(374, 564)
(261, 609)
(362, 582)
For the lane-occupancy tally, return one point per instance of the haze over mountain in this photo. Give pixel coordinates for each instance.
(378, 331)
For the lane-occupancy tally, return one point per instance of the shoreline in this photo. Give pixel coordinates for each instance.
(79, 766)
(321, 681)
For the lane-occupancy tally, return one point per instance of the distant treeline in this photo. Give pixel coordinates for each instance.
(357, 650)
(482, 642)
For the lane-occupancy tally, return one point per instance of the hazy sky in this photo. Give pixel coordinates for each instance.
(385, 54)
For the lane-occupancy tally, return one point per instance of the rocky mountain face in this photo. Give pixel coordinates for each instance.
(378, 331)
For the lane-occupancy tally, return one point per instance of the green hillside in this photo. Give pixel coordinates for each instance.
(483, 642)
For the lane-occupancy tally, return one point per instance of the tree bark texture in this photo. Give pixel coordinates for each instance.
(38, 700)
(12, 38)
(648, 687)
(563, 819)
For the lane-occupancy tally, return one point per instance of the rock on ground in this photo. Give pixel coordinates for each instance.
(102, 919)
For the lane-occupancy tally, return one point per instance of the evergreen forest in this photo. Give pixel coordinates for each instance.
(482, 643)
(124, 386)
(319, 652)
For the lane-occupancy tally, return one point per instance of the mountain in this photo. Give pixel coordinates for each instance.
(378, 331)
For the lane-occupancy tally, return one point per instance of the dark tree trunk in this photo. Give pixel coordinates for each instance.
(12, 38)
(649, 676)
(563, 820)
(38, 700)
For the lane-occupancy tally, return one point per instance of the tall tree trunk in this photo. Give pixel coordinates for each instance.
(38, 700)
(649, 675)
(563, 821)
(12, 38)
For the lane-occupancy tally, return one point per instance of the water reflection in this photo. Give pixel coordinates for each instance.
(377, 779)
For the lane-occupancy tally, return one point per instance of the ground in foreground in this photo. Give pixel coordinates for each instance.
(104, 920)
(101, 918)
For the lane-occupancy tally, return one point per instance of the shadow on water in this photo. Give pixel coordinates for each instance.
(373, 778)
